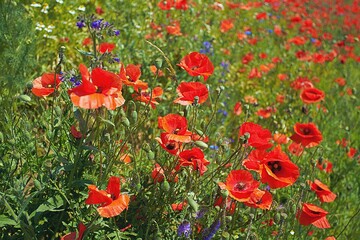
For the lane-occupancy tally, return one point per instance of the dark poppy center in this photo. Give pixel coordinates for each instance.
(240, 186)
(98, 89)
(313, 212)
(306, 131)
(170, 146)
(274, 166)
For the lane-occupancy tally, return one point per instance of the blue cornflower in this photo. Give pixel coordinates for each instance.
(96, 24)
(116, 32)
(270, 31)
(116, 59)
(213, 147)
(202, 211)
(207, 48)
(80, 24)
(210, 232)
(207, 45)
(184, 229)
(248, 33)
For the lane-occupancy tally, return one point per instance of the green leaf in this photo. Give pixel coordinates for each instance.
(5, 220)
(85, 53)
(82, 123)
(52, 205)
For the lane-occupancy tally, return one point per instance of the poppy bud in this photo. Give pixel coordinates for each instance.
(192, 203)
(225, 235)
(293, 208)
(25, 98)
(284, 215)
(151, 155)
(125, 121)
(277, 218)
(37, 184)
(58, 111)
(134, 116)
(224, 193)
(165, 186)
(1, 137)
(158, 63)
(199, 132)
(201, 144)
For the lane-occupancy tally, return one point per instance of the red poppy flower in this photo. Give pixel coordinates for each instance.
(340, 81)
(195, 158)
(280, 138)
(226, 25)
(298, 40)
(145, 97)
(322, 191)
(311, 95)
(197, 64)
(181, 4)
(187, 92)
(46, 84)
(237, 108)
(240, 185)
(260, 199)
(111, 201)
(324, 165)
(330, 238)
(261, 16)
(174, 29)
(158, 175)
(156, 71)
(176, 127)
(170, 146)
(275, 167)
(306, 134)
(247, 58)
(230, 204)
(99, 10)
(254, 73)
(166, 5)
(74, 235)
(75, 133)
(101, 88)
(130, 76)
(351, 153)
(106, 47)
(296, 149)
(311, 214)
(177, 207)
(266, 112)
(87, 42)
(259, 137)
(277, 30)
(301, 83)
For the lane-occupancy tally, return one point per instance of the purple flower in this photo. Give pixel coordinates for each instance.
(116, 32)
(96, 24)
(210, 232)
(80, 24)
(184, 229)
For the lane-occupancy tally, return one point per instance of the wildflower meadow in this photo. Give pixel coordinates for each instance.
(180, 119)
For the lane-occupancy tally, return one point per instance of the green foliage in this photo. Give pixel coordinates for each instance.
(51, 150)
(17, 47)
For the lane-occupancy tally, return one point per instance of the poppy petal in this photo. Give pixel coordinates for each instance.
(115, 208)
